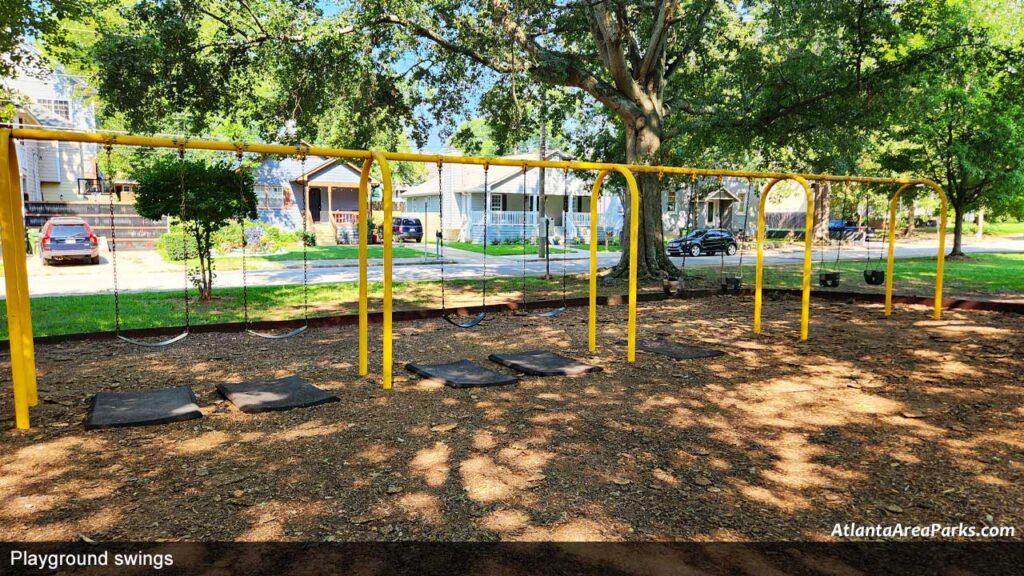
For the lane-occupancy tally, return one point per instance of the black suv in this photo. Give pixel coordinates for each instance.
(407, 229)
(702, 241)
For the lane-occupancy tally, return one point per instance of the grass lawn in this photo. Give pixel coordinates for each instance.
(990, 228)
(346, 252)
(500, 249)
(981, 274)
(74, 314)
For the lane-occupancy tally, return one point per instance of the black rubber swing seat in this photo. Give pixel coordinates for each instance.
(473, 321)
(675, 350)
(462, 374)
(143, 408)
(828, 279)
(543, 363)
(874, 277)
(274, 395)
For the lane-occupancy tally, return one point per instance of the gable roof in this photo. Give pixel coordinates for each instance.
(470, 178)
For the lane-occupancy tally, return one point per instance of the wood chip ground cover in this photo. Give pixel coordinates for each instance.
(906, 419)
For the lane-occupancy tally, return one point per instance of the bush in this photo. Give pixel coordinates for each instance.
(260, 238)
(171, 246)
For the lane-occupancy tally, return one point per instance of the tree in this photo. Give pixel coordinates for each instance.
(202, 195)
(21, 21)
(963, 118)
(799, 83)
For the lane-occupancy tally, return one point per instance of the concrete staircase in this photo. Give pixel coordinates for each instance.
(324, 233)
(133, 231)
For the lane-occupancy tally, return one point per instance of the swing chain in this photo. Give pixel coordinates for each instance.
(439, 236)
(109, 149)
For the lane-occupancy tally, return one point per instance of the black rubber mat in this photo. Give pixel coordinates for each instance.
(462, 374)
(542, 363)
(145, 408)
(269, 395)
(676, 350)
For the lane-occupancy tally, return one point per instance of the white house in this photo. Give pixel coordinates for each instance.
(53, 171)
(513, 201)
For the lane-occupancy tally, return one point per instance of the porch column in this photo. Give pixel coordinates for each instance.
(330, 204)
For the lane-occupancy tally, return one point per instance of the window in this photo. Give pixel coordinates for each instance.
(497, 202)
(671, 199)
(59, 108)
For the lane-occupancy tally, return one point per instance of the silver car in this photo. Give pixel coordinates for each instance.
(68, 238)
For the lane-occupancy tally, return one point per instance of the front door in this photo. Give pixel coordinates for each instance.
(315, 204)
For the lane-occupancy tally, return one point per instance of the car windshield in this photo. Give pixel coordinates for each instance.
(68, 231)
(411, 222)
(696, 233)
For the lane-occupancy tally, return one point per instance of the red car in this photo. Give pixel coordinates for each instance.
(68, 238)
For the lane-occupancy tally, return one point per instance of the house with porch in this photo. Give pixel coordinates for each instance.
(330, 200)
(511, 203)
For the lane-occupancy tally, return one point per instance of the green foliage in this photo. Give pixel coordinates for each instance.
(21, 20)
(175, 246)
(203, 197)
(260, 237)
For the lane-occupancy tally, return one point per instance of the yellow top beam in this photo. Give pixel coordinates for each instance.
(225, 146)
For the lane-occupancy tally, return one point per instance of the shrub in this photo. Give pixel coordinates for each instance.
(171, 246)
(260, 238)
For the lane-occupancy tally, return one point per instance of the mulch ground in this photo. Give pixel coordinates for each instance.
(905, 420)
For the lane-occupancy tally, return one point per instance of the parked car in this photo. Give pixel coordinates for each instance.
(68, 238)
(845, 229)
(403, 229)
(704, 241)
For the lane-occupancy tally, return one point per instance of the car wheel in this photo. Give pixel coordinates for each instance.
(94, 260)
(695, 250)
(730, 249)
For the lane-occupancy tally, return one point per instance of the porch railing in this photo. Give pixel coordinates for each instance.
(506, 218)
(339, 217)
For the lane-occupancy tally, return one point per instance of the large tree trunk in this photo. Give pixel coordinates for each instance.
(822, 210)
(958, 231)
(642, 142)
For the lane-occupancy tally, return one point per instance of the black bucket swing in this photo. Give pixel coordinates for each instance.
(874, 275)
(113, 260)
(828, 278)
(451, 317)
(305, 267)
(556, 311)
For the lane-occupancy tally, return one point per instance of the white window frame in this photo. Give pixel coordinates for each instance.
(501, 202)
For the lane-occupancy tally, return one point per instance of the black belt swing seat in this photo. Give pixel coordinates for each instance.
(113, 261)
(451, 317)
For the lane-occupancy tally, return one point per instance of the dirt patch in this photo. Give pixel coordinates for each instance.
(903, 420)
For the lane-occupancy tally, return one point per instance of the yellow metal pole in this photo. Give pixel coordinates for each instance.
(940, 258)
(11, 244)
(227, 146)
(891, 258)
(385, 171)
(805, 306)
(27, 334)
(594, 196)
(634, 232)
(759, 269)
(363, 231)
